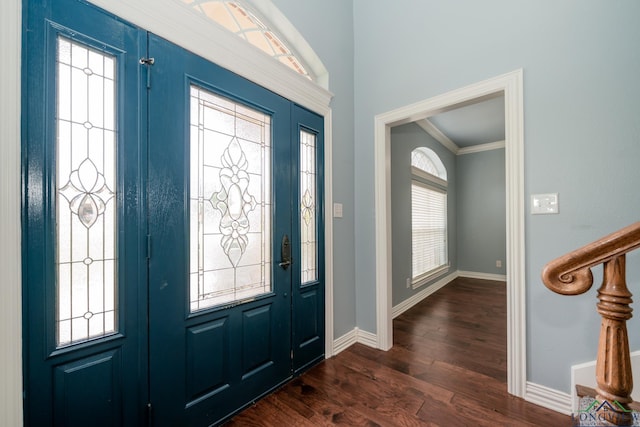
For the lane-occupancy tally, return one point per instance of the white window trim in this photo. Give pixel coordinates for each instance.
(180, 25)
(293, 39)
(428, 177)
(427, 276)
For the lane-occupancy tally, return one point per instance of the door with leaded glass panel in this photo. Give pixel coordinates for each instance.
(173, 268)
(226, 262)
(84, 228)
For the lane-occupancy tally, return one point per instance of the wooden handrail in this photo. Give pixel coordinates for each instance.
(571, 274)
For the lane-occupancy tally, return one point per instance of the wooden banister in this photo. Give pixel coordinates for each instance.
(571, 274)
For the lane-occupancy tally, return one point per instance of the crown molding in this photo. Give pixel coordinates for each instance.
(482, 147)
(432, 130)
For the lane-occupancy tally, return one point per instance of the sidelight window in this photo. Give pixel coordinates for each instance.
(86, 202)
(308, 208)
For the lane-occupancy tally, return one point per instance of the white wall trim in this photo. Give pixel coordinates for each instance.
(482, 147)
(367, 338)
(356, 335)
(443, 139)
(437, 134)
(328, 234)
(184, 27)
(405, 305)
(383, 263)
(548, 398)
(585, 374)
(10, 215)
(483, 276)
(345, 341)
(510, 85)
(294, 40)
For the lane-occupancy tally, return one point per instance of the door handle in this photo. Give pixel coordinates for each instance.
(285, 252)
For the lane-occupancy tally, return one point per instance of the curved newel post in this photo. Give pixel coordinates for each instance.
(571, 275)
(613, 365)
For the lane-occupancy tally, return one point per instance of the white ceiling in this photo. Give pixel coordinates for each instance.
(475, 124)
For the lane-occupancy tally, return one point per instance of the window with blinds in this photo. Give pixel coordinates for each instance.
(428, 217)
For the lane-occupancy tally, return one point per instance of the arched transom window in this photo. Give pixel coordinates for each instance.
(427, 160)
(239, 20)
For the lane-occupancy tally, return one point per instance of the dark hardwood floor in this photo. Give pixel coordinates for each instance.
(447, 368)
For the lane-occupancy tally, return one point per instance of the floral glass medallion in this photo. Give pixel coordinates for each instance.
(87, 193)
(234, 202)
(230, 201)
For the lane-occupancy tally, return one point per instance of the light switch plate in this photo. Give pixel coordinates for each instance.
(544, 204)
(337, 210)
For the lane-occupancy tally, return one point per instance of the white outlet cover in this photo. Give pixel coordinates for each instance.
(544, 204)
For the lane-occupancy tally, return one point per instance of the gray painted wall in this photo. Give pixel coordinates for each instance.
(581, 121)
(481, 214)
(327, 25)
(403, 140)
(475, 206)
(581, 134)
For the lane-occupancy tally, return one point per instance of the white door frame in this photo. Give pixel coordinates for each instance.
(509, 85)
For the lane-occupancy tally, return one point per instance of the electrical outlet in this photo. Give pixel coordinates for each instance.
(408, 283)
(499, 263)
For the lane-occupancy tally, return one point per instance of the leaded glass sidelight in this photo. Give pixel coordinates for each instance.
(308, 208)
(230, 201)
(86, 285)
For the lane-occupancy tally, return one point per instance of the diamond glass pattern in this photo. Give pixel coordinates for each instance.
(86, 204)
(308, 207)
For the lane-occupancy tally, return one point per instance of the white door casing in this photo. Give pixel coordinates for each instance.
(510, 85)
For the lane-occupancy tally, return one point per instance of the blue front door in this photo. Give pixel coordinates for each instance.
(219, 206)
(83, 222)
(173, 268)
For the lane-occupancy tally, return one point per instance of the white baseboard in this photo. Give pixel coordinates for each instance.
(585, 374)
(367, 338)
(345, 341)
(356, 335)
(405, 305)
(415, 299)
(548, 398)
(483, 276)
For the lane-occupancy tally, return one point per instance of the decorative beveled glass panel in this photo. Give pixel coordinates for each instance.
(308, 208)
(230, 201)
(86, 285)
(240, 21)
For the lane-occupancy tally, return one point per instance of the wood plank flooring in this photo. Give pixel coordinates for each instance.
(447, 368)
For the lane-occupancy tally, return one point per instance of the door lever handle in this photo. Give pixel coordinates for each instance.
(285, 264)
(285, 251)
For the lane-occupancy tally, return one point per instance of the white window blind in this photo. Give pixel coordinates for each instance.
(429, 229)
